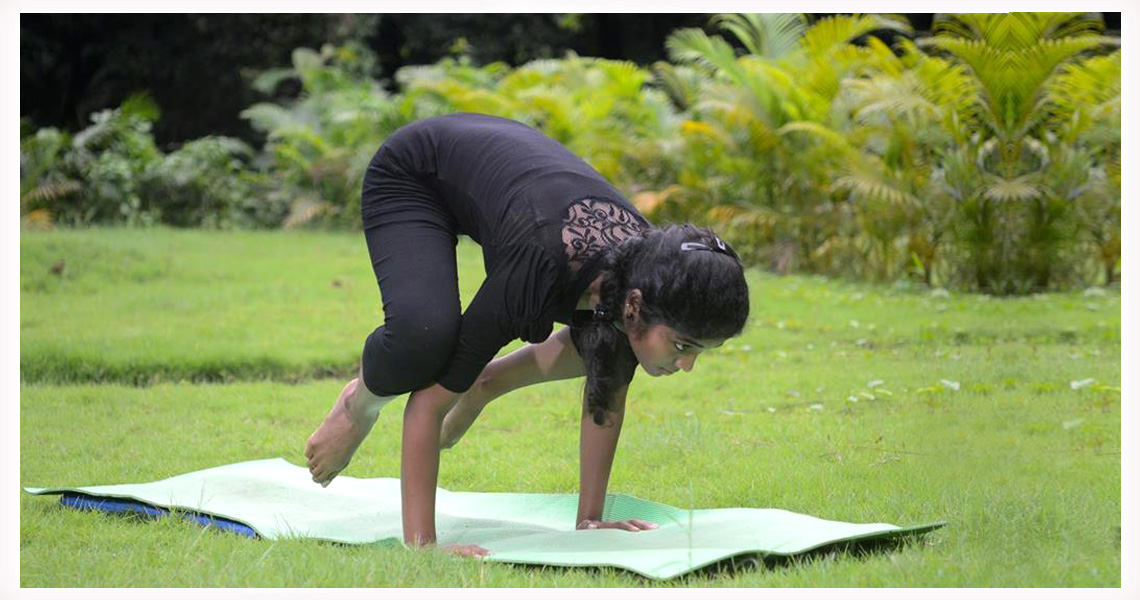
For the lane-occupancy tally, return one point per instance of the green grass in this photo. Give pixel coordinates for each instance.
(140, 306)
(1025, 469)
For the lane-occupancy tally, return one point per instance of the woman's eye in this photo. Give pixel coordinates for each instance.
(680, 347)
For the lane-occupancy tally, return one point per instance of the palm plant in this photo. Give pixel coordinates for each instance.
(1018, 221)
(769, 185)
(1084, 135)
(894, 114)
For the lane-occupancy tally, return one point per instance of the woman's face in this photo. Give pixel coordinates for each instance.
(660, 349)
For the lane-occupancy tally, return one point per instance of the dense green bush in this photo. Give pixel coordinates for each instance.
(320, 144)
(91, 177)
(112, 173)
(205, 184)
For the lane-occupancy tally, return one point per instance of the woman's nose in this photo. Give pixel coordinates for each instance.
(686, 362)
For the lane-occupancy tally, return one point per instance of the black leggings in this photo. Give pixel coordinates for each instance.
(411, 237)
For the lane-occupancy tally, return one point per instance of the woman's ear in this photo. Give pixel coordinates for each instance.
(632, 303)
(630, 314)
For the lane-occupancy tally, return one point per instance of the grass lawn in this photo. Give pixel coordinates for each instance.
(845, 401)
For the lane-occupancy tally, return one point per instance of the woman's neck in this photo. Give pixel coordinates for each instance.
(592, 296)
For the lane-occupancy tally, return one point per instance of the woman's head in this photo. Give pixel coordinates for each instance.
(661, 349)
(673, 293)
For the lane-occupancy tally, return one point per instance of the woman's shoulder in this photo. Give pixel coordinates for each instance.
(592, 223)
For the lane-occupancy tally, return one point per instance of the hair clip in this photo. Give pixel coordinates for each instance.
(720, 246)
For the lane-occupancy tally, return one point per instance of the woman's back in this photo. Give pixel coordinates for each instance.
(500, 179)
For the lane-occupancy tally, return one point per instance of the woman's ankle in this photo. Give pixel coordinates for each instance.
(362, 403)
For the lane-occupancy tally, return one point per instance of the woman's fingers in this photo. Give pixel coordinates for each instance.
(323, 477)
(628, 525)
(638, 525)
(631, 525)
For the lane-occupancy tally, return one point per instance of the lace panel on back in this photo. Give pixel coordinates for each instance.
(591, 225)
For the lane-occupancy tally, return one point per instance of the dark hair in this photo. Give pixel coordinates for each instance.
(700, 294)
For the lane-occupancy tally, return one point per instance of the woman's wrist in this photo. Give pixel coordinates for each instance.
(419, 540)
(588, 523)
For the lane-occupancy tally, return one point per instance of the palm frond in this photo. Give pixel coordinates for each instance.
(963, 25)
(1056, 25)
(700, 129)
(886, 98)
(865, 185)
(681, 83)
(830, 33)
(50, 191)
(1023, 188)
(623, 78)
(771, 35)
(1094, 81)
(820, 131)
(695, 46)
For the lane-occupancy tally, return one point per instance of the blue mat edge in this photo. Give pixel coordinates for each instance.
(116, 505)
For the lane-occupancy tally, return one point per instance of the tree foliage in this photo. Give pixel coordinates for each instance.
(985, 157)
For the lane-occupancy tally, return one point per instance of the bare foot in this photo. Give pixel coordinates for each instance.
(332, 445)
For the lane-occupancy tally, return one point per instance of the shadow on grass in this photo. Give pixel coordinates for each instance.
(57, 370)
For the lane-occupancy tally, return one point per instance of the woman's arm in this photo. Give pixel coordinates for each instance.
(419, 461)
(552, 360)
(596, 448)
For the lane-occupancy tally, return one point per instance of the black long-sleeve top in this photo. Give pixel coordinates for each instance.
(540, 213)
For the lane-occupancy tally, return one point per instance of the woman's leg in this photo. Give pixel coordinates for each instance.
(552, 360)
(411, 243)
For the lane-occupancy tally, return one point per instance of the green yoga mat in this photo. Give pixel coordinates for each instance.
(278, 499)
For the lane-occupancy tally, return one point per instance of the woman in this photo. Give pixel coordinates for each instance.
(559, 244)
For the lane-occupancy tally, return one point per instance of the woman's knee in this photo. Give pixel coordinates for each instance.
(403, 355)
(428, 333)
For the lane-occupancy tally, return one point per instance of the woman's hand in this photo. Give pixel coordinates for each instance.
(630, 525)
